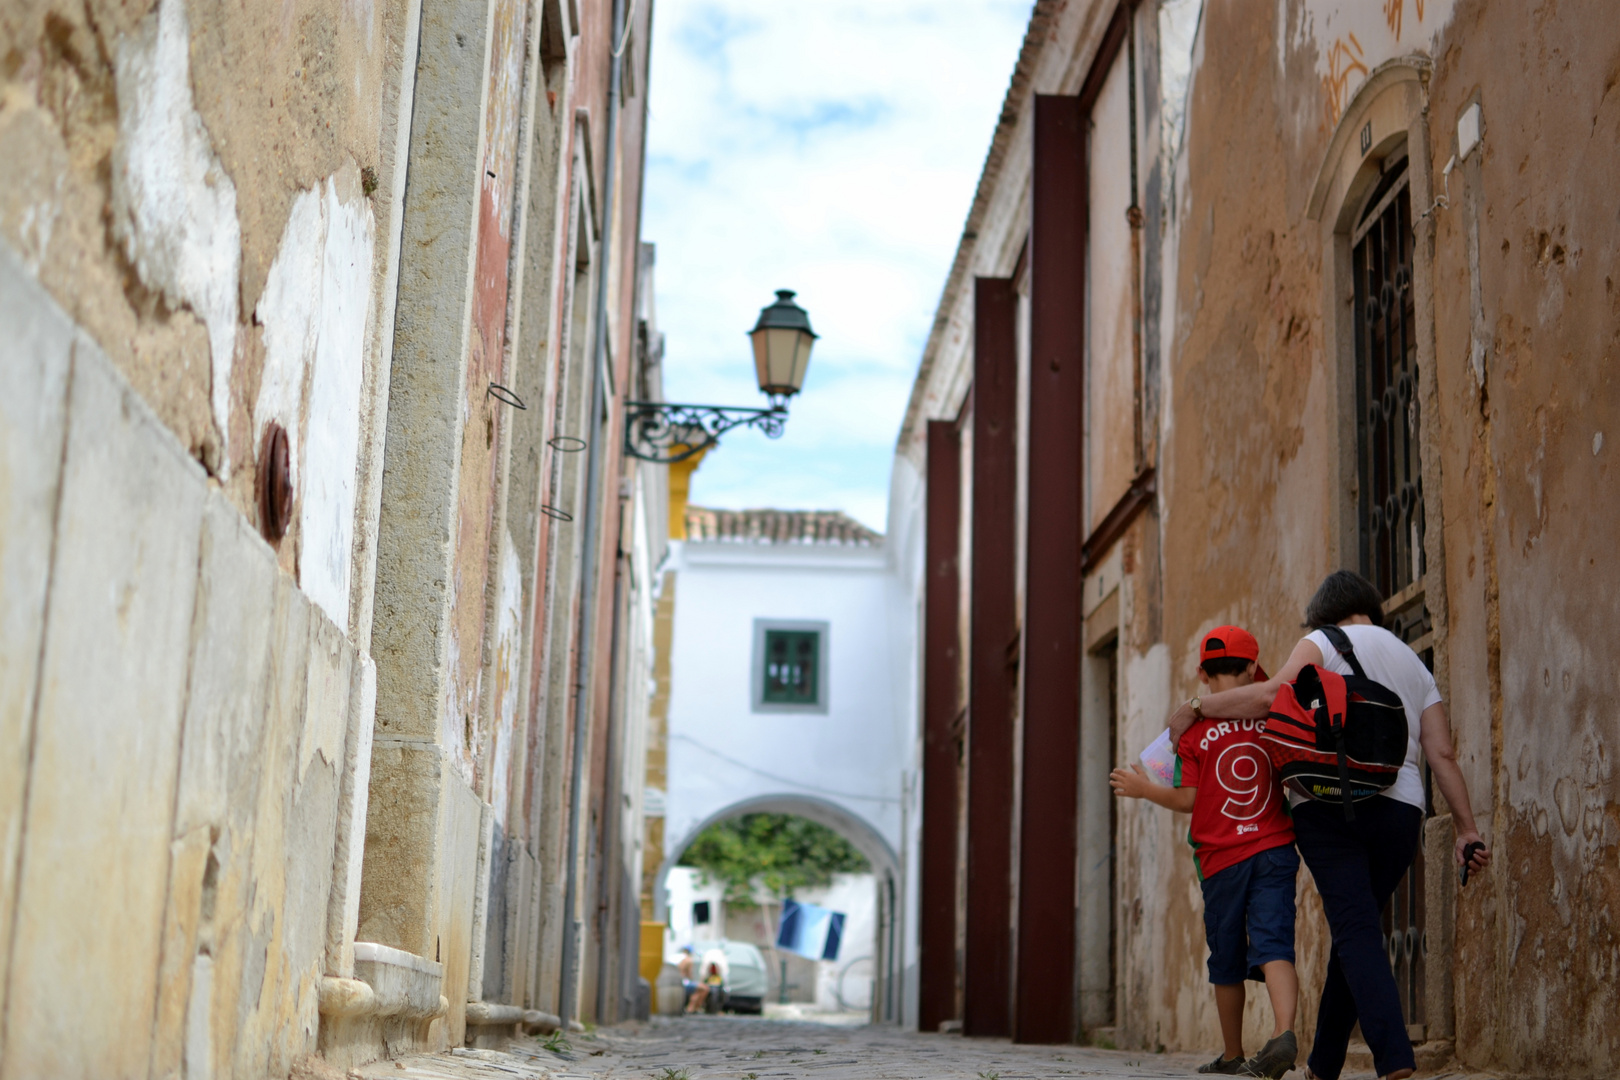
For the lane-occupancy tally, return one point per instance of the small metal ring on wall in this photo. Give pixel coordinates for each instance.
(274, 483)
(566, 444)
(505, 396)
(556, 514)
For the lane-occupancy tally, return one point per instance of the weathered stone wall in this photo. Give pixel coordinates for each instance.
(348, 221)
(179, 722)
(202, 190)
(1525, 262)
(1291, 110)
(1523, 335)
(1244, 477)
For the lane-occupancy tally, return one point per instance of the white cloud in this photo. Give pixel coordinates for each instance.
(830, 148)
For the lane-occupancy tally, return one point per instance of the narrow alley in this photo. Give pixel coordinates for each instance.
(751, 1049)
(443, 604)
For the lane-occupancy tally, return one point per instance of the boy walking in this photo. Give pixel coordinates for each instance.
(1243, 847)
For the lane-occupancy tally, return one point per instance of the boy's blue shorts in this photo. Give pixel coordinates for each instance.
(1249, 915)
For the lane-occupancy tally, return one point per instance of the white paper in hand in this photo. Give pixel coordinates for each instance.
(1159, 759)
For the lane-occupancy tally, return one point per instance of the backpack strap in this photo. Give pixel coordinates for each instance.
(1335, 703)
(1341, 642)
(1330, 710)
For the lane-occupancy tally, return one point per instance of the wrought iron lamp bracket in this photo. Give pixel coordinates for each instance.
(653, 429)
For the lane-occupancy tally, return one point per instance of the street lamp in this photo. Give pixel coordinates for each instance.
(667, 432)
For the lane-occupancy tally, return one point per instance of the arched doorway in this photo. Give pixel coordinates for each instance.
(864, 836)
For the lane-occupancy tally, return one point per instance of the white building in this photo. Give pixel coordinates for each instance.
(793, 690)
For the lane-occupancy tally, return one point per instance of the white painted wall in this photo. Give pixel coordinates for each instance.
(683, 889)
(856, 896)
(721, 752)
(314, 311)
(860, 756)
(174, 205)
(906, 538)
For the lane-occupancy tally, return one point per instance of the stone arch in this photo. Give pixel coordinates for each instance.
(886, 947)
(841, 820)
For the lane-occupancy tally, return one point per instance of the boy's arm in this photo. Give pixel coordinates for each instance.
(1134, 784)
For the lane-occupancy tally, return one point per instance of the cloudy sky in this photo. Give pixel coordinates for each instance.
(830, 147)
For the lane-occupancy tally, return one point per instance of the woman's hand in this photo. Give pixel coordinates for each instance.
(1132, 783)
(1180, 721)
(1482, 856)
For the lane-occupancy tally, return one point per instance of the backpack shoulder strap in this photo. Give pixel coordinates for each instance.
(1341, 642)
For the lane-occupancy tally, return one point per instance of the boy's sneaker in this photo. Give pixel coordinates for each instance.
(1232, 1066)
(1275, 1058)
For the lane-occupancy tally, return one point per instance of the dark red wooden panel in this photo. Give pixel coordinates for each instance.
(993, 657)
(941, 671)
(1044, 983)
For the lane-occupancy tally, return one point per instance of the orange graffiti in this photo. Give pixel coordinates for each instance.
(1345, 59)
(1394, 10)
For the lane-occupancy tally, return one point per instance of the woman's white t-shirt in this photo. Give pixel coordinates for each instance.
(1388, 660)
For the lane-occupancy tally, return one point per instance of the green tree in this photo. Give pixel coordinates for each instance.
(783, 852)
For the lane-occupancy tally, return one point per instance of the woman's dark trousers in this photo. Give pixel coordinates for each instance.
(1357, 865)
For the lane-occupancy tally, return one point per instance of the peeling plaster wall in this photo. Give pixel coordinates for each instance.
(315, 314)
(1251, 484)
(1519, 450)
(174, 206)
(197, 201)
(150, 159)
(1527, 454)
(1244, 469)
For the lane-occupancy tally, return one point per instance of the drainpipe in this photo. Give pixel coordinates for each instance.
(611, 793)
(591, 526)
(1133, 215)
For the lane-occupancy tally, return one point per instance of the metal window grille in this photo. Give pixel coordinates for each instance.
(1390, 496)
(792, 661)
(1391, 482)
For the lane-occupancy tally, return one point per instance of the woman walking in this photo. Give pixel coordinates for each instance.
(1357, 864)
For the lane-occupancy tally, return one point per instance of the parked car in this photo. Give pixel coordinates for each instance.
(746, 980)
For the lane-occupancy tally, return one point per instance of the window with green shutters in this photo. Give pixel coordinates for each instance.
(792, 666)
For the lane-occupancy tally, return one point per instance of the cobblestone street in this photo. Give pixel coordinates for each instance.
(748, 1049)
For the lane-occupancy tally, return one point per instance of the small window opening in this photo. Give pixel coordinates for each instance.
(792, 662)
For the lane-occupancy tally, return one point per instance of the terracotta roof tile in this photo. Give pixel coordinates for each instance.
(778, 527)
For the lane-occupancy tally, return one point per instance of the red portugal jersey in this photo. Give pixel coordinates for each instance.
(1240, 809)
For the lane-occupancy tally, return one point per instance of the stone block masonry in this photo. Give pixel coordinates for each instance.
(174, 843)
(265, 762)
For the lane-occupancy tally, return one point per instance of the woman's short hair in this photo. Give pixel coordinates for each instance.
(1342, 594)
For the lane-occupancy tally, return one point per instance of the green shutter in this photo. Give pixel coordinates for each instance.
(792, 667)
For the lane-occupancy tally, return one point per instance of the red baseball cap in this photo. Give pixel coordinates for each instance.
(1233, 641)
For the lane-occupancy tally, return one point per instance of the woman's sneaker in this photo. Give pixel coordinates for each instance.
(1275, 1058)
(1228, 1066)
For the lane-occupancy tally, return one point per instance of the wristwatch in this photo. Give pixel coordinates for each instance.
(1197, 707)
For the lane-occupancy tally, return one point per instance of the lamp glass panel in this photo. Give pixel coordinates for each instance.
(790, 355)
(761, 358)
(801, 360)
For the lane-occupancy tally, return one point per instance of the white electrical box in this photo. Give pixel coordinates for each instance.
(1467, 131)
